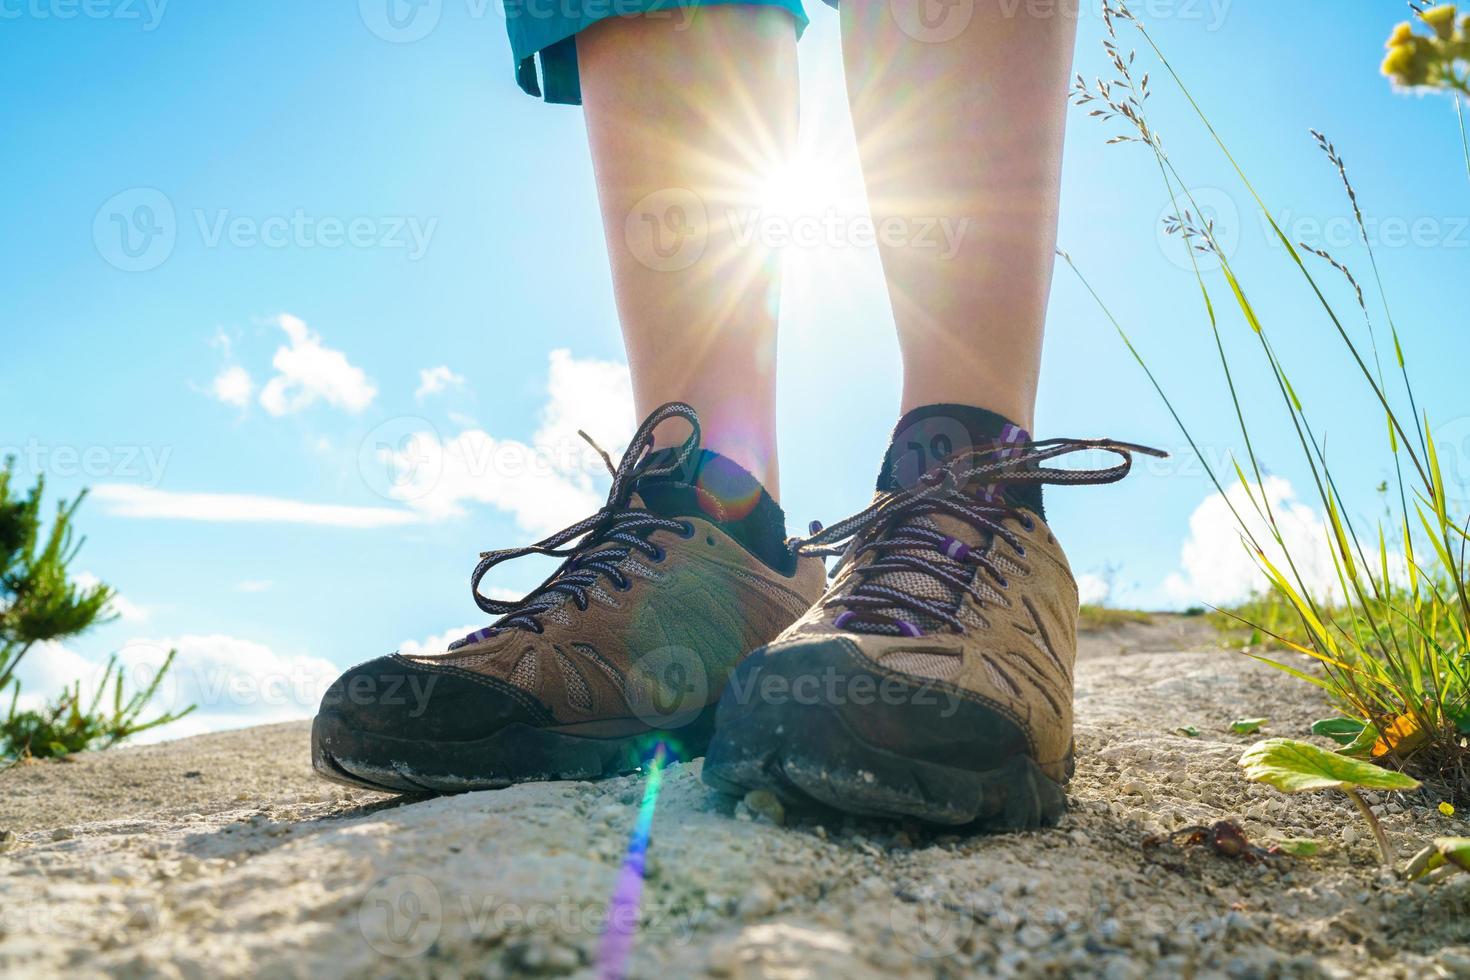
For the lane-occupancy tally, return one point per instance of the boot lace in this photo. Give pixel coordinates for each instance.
(919, 576)
(594, 547)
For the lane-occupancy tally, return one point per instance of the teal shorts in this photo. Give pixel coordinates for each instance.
(544, 32)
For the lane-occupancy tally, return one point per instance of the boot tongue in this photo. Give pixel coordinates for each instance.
(929, 436)
(926, 438)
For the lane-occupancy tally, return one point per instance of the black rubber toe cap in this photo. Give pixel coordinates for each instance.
(909, 716)
(403, 699)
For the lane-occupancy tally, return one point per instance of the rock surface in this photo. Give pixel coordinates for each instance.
(223, 855)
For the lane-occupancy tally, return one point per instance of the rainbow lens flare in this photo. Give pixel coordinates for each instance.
(621, 922)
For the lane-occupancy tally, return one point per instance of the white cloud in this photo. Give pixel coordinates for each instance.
(47, 669)
(233, 386)
(233, 682)
(255, 585)
(437, 643)
(128, 500)
(308, 372)
(436, 379)
(1093, 590)
(464, 421)
(544, 484)
(1217, 568)
(125, 610)
(596, 396)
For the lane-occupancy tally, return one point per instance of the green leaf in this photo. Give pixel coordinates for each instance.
(1299, 767)
(1299, 846)
(1340, 730)
(1456, 851)
(1362, 745)
(1444, 850)
(1188, 730)
(1247, 726)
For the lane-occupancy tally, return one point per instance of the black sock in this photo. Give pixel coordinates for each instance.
(714, 487)
(930, 434)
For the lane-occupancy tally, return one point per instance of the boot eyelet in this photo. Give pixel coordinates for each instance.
(1003, 583)
(686, 529)
(659, 554)
(625, 585)
(1021, 551)
(1028, 524)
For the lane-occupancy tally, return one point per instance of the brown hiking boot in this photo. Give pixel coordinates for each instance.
(933, 680)
(629, 643)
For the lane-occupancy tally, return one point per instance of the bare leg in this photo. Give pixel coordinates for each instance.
(959, 112)
(686, 119)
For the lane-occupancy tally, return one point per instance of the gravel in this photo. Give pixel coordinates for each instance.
(116, 863)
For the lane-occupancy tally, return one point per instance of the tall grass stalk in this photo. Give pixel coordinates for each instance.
(1392, 639)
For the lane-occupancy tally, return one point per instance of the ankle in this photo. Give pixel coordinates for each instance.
(716, 488)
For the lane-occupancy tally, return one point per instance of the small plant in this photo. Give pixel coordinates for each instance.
(1300, 767)
(1391, 638)
(1092, 616)
(1439, 59)
(65, 726)
(40, 602)
(1246, 726)
(1440, 859)
(1257, 622)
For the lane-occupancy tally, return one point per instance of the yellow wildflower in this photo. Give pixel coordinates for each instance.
(1447, 809)
(1442, 19)
(1408, 63)
(1401, 35)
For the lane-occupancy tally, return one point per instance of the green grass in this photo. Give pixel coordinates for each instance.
(1095, 617)
(1391, 639)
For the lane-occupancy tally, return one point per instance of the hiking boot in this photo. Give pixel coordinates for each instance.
(628, 644)
(933, 680)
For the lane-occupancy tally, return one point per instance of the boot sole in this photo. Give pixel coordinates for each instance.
(810, 755)
(517, 753)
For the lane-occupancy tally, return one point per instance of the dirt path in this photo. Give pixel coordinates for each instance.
(223, 855)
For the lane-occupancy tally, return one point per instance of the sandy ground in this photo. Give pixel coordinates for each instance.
(223, 855)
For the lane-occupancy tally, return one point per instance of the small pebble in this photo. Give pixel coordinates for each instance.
(764, 805)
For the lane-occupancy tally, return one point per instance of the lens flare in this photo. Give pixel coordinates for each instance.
(726, 492)
(622, 908)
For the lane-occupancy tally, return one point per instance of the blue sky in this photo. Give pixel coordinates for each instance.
(340, 212)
